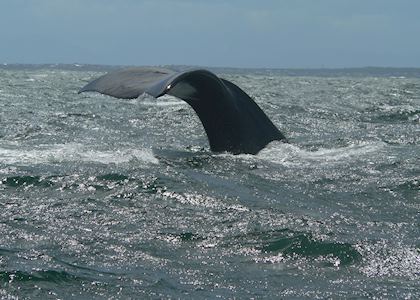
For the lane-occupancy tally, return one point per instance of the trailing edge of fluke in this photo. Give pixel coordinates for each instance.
(232, 120)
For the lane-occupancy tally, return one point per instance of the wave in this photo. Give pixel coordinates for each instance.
(281, 244)
(289, 154)
(6, 296)
(385, 259)
(394, 114)
(38, 276)
(166, 100)
(162, 103)
(104, 182)
(58, 153)
(196, 199)
(16, 181)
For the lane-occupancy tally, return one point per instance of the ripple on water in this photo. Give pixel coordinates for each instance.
(88, 209)
(59, 153)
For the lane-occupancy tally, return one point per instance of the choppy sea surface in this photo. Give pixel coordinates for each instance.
(109, 198)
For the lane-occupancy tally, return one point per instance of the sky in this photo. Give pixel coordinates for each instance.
(223, 33)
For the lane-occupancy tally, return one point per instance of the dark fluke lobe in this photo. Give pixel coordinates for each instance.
(232, 120)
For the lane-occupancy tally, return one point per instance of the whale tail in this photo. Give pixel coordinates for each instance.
(232, 120)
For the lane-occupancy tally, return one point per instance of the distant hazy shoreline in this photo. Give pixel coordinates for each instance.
(327, 72)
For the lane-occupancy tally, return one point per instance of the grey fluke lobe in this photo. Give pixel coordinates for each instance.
(232, 120)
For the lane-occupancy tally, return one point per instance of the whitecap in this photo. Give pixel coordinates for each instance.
(162, 103)
(282, 153)
(165, 100)
(40, 76)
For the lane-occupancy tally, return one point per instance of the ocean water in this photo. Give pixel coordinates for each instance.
(109, 198)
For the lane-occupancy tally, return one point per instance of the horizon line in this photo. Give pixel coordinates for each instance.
(81, 65)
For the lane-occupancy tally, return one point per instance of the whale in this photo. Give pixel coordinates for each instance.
(232, 120)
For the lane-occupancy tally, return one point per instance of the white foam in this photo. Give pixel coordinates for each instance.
(165, 100)
(73, 152)
(40, 75)
(281, 153)
(163, 103)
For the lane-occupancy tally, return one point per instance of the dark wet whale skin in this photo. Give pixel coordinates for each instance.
(232, 120)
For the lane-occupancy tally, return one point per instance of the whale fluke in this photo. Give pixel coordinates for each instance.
(232, 120)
